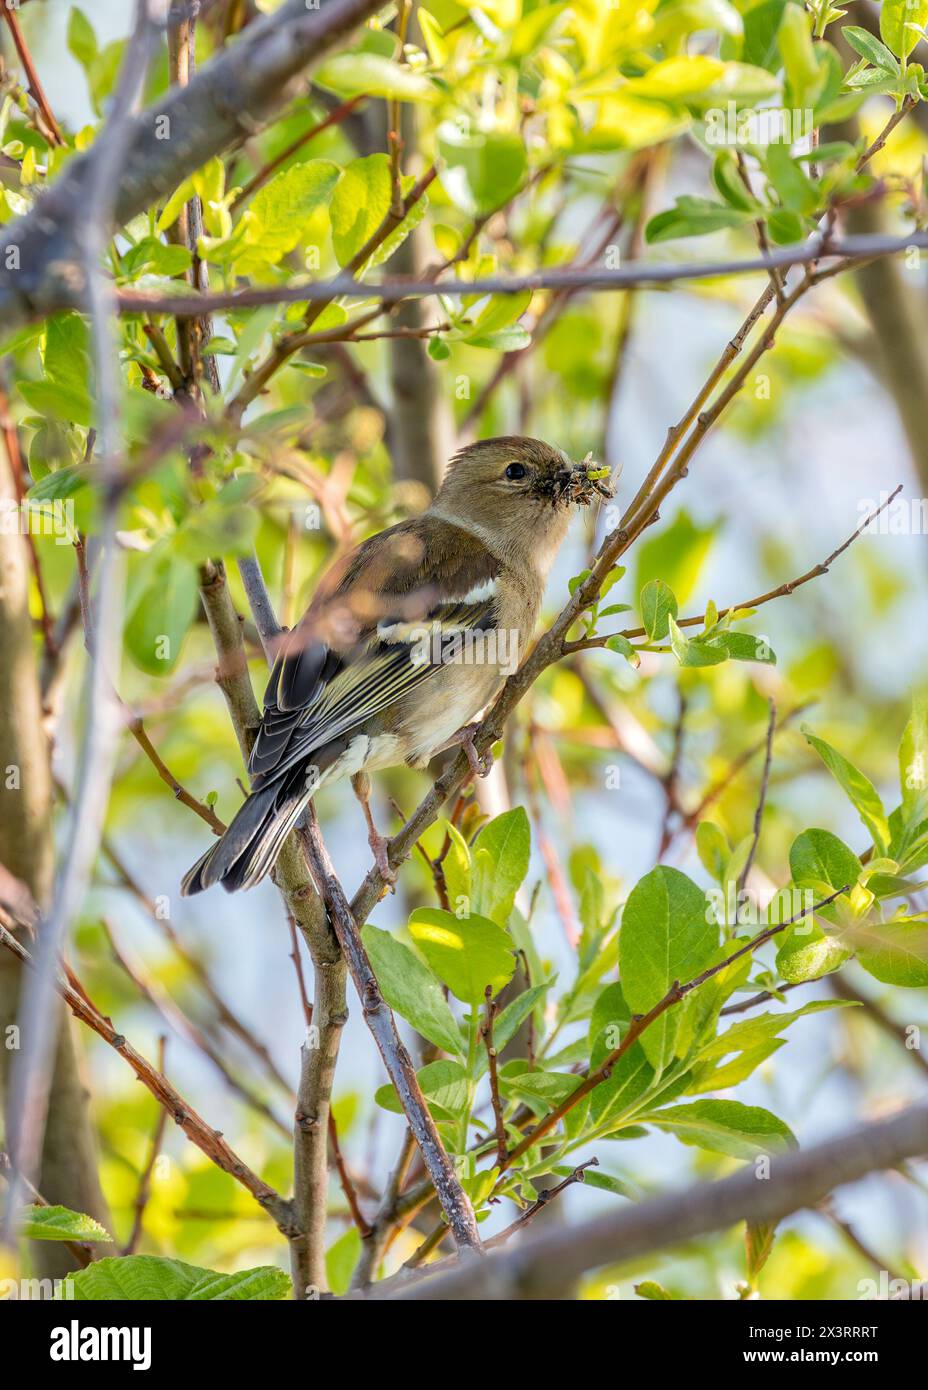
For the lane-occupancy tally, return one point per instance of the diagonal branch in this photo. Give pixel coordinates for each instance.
(380, 1021)
(208, 1140)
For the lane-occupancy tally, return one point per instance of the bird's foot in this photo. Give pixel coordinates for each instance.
(481, 764)
(379, 845)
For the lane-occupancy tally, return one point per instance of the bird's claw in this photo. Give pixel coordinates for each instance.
(379, 844)
(481, 764)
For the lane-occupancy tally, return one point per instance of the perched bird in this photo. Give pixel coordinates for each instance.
(407, 639)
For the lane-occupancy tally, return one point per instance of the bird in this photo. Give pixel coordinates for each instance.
(407, 639)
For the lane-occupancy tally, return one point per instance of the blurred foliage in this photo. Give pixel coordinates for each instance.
(553, 128)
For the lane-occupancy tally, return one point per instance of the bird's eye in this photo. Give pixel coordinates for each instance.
(515, 471)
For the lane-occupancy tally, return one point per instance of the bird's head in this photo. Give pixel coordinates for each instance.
(519, 490)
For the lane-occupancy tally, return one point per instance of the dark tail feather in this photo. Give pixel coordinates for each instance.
(243, 855)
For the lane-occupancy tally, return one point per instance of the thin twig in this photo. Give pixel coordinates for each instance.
(143, 1192)
(761, 801)
(208, 1140)
(634, 275)
(32, 77)
(543, 1199)
(374, 1242)
(671, 778)
(486, 1033)
(781, 591)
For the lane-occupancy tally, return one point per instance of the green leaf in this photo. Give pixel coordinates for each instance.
(754, 1032)
(466, 955)
(543, 1090)
(804, 77)
(360, 203)
(623, 647)
(692, 216)
(728, 182)
(60, 1223)
(869, 47)
(341, 1259)
(665, 936)
(64, 482)
(514, 1015)
(680, 17)
(657, 605)
(605, 1182)
(758, 1243)
(797, 191)
(412, 990)
(744, 646)
(807, 953)
(218, 527)
(896, 18)
(703, 81)
(651, 1289)
(695, 651)
(913, 764)
(149, 1278)
(722, 1076)
(894, 952)
(445, 1085)
(155, 257)
(725, 1127)
(821, 857)
(632, 1076)
(785, 226)
(858, 788)
(373, 75)
(457, 868)
(483, 169)
(499, 864)
(627, 122)
(82, 41)
(499, 312)
(65, 391)
(162, 611)
(713, 849)
(761, 23)
(278, 215)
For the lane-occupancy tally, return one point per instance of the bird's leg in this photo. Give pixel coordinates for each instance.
(361, 785)
(480, 764)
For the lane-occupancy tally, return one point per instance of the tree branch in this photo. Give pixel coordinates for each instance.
(243, 86)
(209, 1141)
(547, 1265)
(844, 252)
(380, 1021)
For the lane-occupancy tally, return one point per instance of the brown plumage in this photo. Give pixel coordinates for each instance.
(407, 639)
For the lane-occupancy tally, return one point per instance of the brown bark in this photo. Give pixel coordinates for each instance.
(69, 1157)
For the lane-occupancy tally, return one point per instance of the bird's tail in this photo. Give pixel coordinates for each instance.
(250, 845)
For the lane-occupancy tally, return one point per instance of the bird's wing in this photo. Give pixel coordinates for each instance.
(360, 646)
